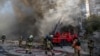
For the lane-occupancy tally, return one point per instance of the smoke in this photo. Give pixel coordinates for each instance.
(7, 18)
(28, 19)
(53, 10)
(47, 13)
(37, 17)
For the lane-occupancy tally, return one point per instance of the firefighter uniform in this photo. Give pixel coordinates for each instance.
(29, 44)
(91, 47)
(49, 47)
(3, 37)
(20, 41)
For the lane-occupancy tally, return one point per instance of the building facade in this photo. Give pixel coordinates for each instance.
(94, 6)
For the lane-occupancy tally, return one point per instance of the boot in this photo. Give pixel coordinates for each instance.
(46, 52)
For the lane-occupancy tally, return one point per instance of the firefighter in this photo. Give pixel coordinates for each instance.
(44, 43)
(3, 37)
(48, 47)
(51, 36)
(91, 47)
(29, 44)
(20, 41)
(77, 46)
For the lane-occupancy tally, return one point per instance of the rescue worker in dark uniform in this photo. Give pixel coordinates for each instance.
(77, 46)
(20, 41)
(91, 47)
(48, 47)
(3, 37)
(29, 44)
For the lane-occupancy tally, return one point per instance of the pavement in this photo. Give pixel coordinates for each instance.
(12, 49)
(5, 53)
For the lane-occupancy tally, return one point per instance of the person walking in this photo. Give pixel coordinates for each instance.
(91, 47)
(49, 47)
(77, 46)
(20, 41)
(29, 44)
(3, 37)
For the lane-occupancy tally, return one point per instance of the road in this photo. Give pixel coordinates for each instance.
(35, 52)
(4, 53)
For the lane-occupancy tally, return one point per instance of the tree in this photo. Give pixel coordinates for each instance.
(92, 24)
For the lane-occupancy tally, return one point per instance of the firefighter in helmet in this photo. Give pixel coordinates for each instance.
(3, 37)
(20, 41)
(48, 47)
(29, 44)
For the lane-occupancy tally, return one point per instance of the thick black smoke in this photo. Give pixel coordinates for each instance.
(37, 17)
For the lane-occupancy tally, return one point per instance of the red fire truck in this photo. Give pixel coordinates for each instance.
(65, 36)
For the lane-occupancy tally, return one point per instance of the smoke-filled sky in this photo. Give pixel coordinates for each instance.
(53, 10)
(7, 17)
(36, 17)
